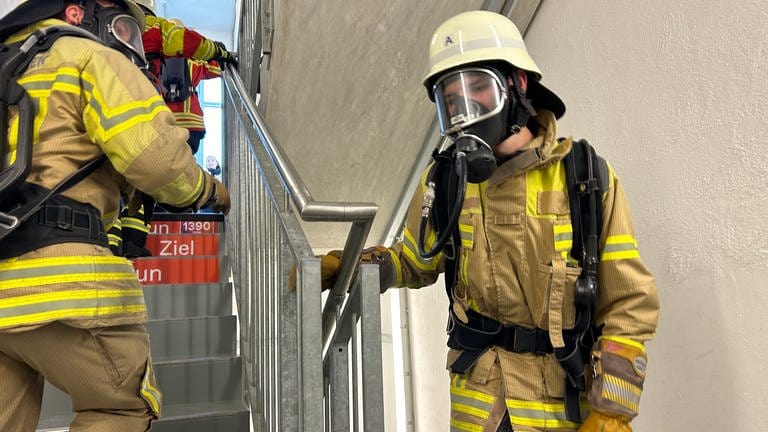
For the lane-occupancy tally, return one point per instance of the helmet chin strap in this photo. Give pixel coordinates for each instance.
(521, 110)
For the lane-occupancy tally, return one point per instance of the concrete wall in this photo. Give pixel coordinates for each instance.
(346, 100)
(673, 93)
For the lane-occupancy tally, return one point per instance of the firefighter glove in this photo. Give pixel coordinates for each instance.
(330, 265)
(215, 196)
(599, 422)
(619, 373)
(224, 56)
(380, 255)
(329, 269)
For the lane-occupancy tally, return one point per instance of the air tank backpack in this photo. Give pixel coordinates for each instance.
(176, 79)
(56, 218)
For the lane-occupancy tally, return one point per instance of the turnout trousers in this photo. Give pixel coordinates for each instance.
(107, 372)
(504, 391)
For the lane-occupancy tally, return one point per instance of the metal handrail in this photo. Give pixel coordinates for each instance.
(360, 214)
(344, 305)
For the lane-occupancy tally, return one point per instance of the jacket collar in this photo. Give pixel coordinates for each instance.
(543, 149)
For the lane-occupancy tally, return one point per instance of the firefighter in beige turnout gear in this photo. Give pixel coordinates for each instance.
(512, 264)
(71, 312)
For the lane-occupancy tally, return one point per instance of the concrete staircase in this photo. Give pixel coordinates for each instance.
(192, 327)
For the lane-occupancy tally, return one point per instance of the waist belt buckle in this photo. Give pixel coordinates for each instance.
(527, 340)
(65, 218)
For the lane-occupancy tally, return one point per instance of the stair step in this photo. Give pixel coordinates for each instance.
(182, 382)
(186, 338)
(199, 380)
(224, 416)
(182, 270)
(221, 416)
(193, 300)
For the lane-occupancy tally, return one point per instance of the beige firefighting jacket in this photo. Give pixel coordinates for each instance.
(92, 100)
(516, 234)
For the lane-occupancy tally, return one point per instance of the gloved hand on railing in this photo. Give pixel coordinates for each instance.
(224, 56)
(330, 266)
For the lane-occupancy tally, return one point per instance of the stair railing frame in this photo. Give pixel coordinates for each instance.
(291, 383)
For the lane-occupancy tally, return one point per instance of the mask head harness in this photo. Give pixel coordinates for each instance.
(478, 108)
(116, 28)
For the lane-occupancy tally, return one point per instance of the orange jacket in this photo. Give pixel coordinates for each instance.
(189, 113)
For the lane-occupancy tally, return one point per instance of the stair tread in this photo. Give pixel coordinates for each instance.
(202, 409)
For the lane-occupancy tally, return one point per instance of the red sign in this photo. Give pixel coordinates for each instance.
(183, 244)
(191, 270)
(184, 227)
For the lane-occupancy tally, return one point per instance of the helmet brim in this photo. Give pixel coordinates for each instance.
(544, 98)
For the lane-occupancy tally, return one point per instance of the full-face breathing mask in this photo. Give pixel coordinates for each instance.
(477, 109)
(473, 110)
(117, 29)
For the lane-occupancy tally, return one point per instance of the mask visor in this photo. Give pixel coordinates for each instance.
(466, 97)
(125, 30)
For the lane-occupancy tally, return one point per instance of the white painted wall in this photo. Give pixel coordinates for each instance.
(674, 95)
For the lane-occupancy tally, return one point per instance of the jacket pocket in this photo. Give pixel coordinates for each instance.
(553, 295)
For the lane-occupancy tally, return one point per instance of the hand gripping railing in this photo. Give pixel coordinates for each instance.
(283, 333)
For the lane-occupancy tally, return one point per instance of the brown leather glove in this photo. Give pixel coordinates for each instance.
(330, 265)
(599, 422)
(380, 255)
(215, 196)
(619, 365)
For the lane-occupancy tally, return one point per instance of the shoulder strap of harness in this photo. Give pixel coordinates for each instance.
(586, 177)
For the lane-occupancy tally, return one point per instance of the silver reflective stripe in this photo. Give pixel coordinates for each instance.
(619, 247)
(69, 304)
(458, 48)
(622, 392)
(91, 270)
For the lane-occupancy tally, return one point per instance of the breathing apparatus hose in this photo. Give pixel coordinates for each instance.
(460, 161)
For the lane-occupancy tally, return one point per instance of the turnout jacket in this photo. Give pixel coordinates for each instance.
(514, 267)
(162, 38)
(91, 100)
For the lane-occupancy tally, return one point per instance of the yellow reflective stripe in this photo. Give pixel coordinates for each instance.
(458, 425)
(108, 121)
(65, 79)
(24, 273)
(71, 314)
(625, 341)
(618, 247)
(151, 394)
(471, 394)
(467, 235)
(463, 264)
(563, 235)
(621, 392)
(410, 250)
(134, 224)
(398, 268)
(70, 295)
(538, 414)
(42, 307)
(469, 402)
